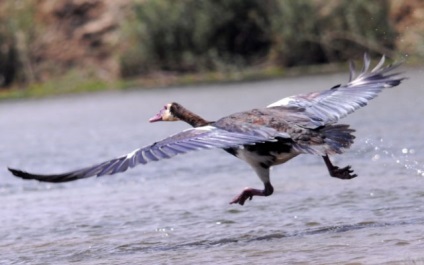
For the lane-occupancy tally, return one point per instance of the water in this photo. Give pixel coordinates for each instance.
(177, 211)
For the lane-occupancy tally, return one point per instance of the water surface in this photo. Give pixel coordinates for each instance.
(177, 211)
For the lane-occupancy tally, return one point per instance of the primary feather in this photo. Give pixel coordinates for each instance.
(329, 106)
(205, 137)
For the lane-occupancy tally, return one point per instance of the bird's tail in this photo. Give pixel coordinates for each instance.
(337, 137)
(330, 139)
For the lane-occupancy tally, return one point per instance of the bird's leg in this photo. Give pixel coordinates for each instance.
(336, 172)
(248, 193)
(263, 172)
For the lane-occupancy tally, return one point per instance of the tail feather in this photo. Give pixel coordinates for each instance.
(330, 139)
(337, 137)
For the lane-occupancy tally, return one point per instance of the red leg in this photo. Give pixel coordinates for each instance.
(248, 193)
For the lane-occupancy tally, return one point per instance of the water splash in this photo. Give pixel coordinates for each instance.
(405, 157)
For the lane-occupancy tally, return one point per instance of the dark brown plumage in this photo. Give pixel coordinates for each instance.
(264, 137)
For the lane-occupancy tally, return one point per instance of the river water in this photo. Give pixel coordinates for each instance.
(177, 211)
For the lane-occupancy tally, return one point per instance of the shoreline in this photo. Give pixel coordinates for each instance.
(67, 85)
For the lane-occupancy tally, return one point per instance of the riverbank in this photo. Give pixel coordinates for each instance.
(73, 84)
(90, 45)
(66, 85)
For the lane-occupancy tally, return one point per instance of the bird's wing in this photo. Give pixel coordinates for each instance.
(327, 107)
(206, 137)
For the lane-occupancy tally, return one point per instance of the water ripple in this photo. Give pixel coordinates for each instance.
(130, 248)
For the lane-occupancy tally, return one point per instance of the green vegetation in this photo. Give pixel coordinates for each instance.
(17, 32)
(330, 31)
(198, 35)
(225, 35)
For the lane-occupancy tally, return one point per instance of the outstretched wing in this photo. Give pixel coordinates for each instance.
(327, 107)
(206, 137)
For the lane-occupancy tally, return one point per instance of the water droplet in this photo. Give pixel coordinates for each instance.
(371, 194)
(376, 148)
(411, 151)
(375, 157)
(404, 150)
(218, 223)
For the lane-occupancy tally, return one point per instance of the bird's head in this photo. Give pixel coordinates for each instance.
(167, 113)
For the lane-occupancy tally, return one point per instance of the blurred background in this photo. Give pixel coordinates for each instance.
(49, 46)
(177, 211)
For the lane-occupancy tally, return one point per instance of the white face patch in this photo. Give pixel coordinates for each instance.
(167, 115)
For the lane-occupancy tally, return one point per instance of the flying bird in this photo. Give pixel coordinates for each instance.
(262, 137)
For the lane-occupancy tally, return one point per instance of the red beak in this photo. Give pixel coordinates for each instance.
(157, 117)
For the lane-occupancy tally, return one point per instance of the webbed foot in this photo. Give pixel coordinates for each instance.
(342, 173)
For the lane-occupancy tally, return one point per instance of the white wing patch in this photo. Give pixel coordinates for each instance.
(283, 102)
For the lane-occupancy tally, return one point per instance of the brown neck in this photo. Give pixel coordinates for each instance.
(185, 115)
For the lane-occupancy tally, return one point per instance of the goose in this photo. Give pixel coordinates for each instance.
(262, 137)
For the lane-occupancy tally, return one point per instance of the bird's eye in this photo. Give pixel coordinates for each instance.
(165, 107)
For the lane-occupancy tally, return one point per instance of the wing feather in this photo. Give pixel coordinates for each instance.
(206, 137)
(329, 106)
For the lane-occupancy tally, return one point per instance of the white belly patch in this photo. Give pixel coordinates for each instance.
(254, 159)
